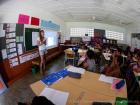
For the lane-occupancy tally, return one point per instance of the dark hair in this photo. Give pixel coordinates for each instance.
(41, 100)
(40, 36)
(138, 54)
(90, 54)
(120, 50)
(20, 103)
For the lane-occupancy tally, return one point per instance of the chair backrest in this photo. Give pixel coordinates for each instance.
(69, 55)
(133, 88)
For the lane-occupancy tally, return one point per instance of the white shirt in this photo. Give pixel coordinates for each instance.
(43, 46)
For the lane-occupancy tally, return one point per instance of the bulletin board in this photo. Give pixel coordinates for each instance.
(29, 33)
(99, 35)
(2, 40)
(11, 42)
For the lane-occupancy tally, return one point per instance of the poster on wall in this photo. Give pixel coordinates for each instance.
(23, 19)
(2, 32)
(28, 57)
(14, 62)
(43, 23)
(20, 48)
(11, 47)
(4, 53)
(35, 21)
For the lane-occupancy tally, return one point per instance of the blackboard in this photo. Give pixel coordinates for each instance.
(19, 29)
(28, 38)
(99, 33)
(2, 43)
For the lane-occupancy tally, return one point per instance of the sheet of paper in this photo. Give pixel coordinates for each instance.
(21, 59)
(34, 38)
(13, 25)
(10, 35)
(55, 96)
(15, 64)
(4, 53)
(106, 79)
(76, 70)
(2, 32)
(10, 40)
(17, 39)
(21, 39)
(12, 55)
(12, 50)
(20, 50)
(12, 45)
(13, 60)
(107, 56)
(11, 29)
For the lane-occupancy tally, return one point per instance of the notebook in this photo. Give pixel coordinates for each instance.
(76, 70)
(52, 78)
(55, 96)
(106, 79)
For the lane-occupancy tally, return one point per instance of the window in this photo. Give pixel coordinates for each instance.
(81, 32)
(52, 39)
(114, 35)
(91, 32)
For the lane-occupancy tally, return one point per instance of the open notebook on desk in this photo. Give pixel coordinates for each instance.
(55, 96)
(76, 69)
(106, 79)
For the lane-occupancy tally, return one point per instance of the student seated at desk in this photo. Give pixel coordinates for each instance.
(89, 61)
(98, 46)
(136, 67)
(129, 58)
(38, 100)
(83, 46)
(113, 69)
(127, 50)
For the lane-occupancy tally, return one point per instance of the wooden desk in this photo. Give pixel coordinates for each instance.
(83, 91)
(80, 51)
(90, 81)
(77, 95)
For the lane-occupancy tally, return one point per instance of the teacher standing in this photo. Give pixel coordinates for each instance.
(41, 42)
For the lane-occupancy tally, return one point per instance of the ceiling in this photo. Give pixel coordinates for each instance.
(119, 12)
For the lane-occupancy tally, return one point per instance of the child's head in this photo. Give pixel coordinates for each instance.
(138, 56)
(41, 100)
(90, 54)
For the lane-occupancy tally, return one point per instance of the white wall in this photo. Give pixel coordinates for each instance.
(133, 28)
(9, 12)
(97, 26)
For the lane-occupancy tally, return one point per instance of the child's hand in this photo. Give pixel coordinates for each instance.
(85, 65)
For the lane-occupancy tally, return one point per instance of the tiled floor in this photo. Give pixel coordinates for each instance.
(20, 90)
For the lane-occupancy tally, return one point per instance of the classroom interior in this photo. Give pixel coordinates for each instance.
(90, 56)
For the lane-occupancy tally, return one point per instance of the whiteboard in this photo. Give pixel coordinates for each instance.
(52, 39)
(35, 35)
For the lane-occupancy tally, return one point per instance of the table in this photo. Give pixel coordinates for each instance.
(83, 91)
(66, 46)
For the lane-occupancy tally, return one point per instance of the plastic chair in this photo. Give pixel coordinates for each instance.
(69, 56)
